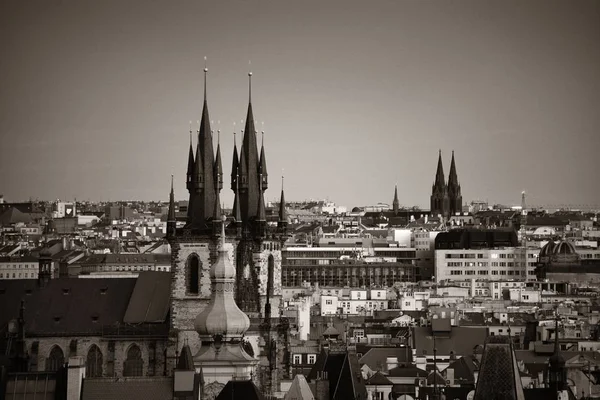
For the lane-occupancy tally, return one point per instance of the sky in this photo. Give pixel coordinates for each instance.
(353, 96)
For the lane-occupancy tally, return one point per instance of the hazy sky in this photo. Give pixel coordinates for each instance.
(96, 96)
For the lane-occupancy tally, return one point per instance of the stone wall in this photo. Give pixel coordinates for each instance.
(114, 352)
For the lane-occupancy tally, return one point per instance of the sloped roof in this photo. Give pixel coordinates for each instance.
(131, 388)
(299, 390)
(378, 379)
(343, 373)
(71, 306)
(410, 371)
(240, 390)
(13, 216)
(460, 340)
(150, 299)
(499, 373)
(376, 357)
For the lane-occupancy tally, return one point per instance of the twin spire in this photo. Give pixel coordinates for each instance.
(249, 175)
(446, 198)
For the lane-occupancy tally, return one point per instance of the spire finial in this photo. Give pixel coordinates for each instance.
(223, 219)
(171, 182)
(190, 133)
(198, 122)
(205, 72)
(282, 177)
(218, 136)
(249, 82)
(262, 138)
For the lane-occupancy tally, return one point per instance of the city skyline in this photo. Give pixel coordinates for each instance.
(98, 97)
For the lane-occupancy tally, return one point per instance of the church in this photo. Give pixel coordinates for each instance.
(218, 308)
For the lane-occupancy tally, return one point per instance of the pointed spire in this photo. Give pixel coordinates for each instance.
(439, 175)
(237, 213)
(396, 203)
(190, 168)
(171, 216)
(261, 215)
(234, 165)
(282, 210)
(218, 166)
(452, 177)
(262, 164)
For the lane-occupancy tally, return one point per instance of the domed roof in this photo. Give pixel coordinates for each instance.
(222, 316)
(548, 249)
(564, 247)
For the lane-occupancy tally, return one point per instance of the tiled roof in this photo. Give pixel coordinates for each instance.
(138, 388)
(71, 306)
(376, 357)
(460, 341)
(499, 373)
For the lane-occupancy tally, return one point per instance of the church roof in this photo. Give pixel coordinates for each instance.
(13, 216)
(499, 372)
(131, 388)
(75, 306)
(150, 299)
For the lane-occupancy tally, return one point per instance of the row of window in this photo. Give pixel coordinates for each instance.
(132, 366)
(485, 264)
(18, 275)
(486, 272)
(297, 359)
(7, 266)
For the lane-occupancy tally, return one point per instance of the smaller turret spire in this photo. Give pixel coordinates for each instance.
(262, 215)
(262, 165)
(237, 211)
(282, 211)
(396, 203)
(171, 220)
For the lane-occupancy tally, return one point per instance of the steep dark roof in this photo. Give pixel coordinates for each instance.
(240, 390)
(499, 374)
(343, 373)
(150, 299)
(72, 306)
(138, 388)
(186, 360)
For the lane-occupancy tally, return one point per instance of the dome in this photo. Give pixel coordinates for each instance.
(564, 253)
(222, 316)
(547, 249)
(564, 248)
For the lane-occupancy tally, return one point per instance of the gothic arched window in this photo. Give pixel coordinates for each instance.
(271, 275)
(193, 274)
(55, 360)
(134, 364)
(93, 363)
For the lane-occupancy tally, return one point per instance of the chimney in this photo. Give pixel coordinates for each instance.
(75, 375)
(450, 376)
(392, 362)
(322, 386)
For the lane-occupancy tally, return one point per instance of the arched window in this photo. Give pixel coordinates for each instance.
(271, 275)
(133, 365)
(193, 274)
(55, 360)
(93, 364)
